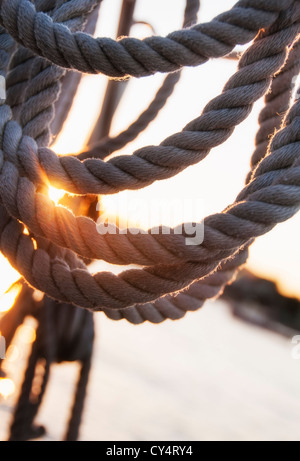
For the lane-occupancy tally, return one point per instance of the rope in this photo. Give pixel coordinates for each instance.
(180, 150)
(33, 84)
(176, 278)
(168, 307)
(129, 56)
(108, 145)
(274, 203)
(147, 311)
(277, 102)
(80, 234)
(70, 83)
(226, 233)
(22, 62)
(52, 346)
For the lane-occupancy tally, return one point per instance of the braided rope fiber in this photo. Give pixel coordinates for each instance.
(176, 277)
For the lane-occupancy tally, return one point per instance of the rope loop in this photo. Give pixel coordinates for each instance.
(38, 42)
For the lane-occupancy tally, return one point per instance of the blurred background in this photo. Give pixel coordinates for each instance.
(212, 375)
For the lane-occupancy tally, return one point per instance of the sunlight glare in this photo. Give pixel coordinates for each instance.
(7, 387)
(56, 194)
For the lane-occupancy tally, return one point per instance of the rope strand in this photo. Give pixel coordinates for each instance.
(80, 234)
(280, 201)
(178, 277)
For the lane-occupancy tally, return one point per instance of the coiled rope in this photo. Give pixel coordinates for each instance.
(64, 333)
(171, 266)
(51, 253)
(129, 56)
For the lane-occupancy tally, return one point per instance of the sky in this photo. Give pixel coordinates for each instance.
(218, 179)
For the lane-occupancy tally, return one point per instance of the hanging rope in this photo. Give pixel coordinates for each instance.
(39, 41)
(25, 168)
(277, 102)
(108, 145)
(80, 234)
(63, 333)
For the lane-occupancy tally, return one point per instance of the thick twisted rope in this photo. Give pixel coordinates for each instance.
(175, 271)
(181, 150)
(194, 297)
(21, 65)
(148, 312)
(34, 261)
(81, 231)
(22, 426)
(33, 84)
(280, 201)
(129, 56)
(70, 83)
(277, 102)
(17, 82)
(7, 48)
(188, 9)
(108, 145)
(38, 108)
(186, 301)
(175, 306)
